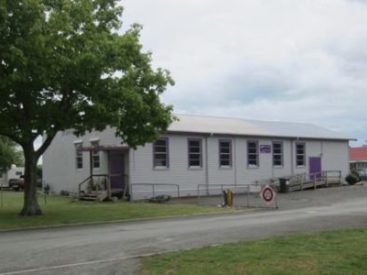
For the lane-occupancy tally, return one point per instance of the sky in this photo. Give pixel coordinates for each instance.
(285, 60)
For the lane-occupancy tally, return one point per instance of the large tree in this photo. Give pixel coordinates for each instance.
(65, 64)
(9, 154)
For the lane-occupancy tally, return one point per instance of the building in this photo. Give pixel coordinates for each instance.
(13, 173)
(196, 150)
(358, 158)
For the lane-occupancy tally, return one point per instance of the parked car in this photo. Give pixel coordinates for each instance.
(16, 184)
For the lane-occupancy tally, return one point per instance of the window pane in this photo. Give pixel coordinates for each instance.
(277, 157)
(252, 145)
(194, 146)
(225, 162)
(194, 157)
(252, 161)
(252, 151)
(278, 163)
(160, 142)
(194, 162)
(160, 160)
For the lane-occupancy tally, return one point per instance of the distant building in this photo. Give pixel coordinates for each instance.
(358, 158)
(197, 150)
(13, 173)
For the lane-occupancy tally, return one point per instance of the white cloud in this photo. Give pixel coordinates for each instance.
(287, 60)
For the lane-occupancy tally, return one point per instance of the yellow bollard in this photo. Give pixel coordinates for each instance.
(229, 198)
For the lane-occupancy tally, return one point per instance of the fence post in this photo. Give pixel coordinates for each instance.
(153, 190)
(178, 190)
(314, 182)
(1, 195)
(248, 196)
(131, 192)
(326, 178)
(340, 177)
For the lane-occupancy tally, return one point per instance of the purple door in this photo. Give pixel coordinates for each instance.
(117, 168)
(315, 167)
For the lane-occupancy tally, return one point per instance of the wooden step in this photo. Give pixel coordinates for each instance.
(94, 195)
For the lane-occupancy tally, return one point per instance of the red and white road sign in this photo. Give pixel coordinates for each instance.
(267, 194)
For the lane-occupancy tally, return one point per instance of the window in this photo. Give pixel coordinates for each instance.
(300, 154)
(195, 152)
(252, 154)
(95, 155)
(277, 154)
(78, 155)
(225, 153)
(160, 153)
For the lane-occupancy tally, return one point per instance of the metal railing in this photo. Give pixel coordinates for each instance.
(307, 180)
(154, 188)
(219, 188)
(244, 195)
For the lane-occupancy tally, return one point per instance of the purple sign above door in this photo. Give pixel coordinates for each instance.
(265, 149)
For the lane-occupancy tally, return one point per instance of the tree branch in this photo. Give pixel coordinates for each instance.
(12, 137)
(45, 144)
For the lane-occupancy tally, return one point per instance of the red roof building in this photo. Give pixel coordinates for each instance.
(358, 157)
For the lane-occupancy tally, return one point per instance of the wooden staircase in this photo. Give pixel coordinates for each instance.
(95, 188)
(94, 196)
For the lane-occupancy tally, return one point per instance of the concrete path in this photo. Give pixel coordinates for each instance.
(116, 248)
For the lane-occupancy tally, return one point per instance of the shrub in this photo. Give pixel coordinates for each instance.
(352, 178)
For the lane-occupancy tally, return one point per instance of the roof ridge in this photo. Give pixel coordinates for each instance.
(250, 120)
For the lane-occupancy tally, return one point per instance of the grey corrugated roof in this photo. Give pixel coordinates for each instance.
(237, 126)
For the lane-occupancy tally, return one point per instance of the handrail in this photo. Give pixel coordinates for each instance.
(90, 178)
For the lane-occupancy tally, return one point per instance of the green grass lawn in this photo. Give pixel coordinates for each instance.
(334, 252)
(60, 210)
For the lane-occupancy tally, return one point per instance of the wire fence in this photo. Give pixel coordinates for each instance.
(143, 191)
(244, 195)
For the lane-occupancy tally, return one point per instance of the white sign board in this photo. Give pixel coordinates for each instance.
(268, 194)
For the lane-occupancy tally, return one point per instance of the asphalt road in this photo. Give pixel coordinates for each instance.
(116, 248)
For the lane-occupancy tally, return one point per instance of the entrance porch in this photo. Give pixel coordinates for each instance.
(112, 180)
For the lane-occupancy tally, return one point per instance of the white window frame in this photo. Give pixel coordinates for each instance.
(281, 154)
(251, 165)
(79, 155)
(96, 156)
(166, 153)
(200, 153)
(221, 154)
(303, 154)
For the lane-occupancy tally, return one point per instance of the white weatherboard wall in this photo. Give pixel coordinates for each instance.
(59, 162)
(60, 170)
(178, 172)
(334, 156)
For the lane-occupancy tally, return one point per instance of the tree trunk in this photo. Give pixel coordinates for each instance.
(30, 206)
